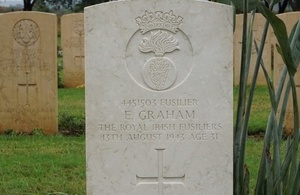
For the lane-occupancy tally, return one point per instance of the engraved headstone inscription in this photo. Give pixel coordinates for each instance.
(28, 81)
(159, 98)
(72, 34)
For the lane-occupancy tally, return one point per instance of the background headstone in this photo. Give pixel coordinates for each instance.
(28, 77)
(258, 27)
(290, 20)
(72, 36)
(159, 98)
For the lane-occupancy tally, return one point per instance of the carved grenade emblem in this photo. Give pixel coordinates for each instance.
(159, 72)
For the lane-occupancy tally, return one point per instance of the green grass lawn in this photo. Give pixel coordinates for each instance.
(55, 165)
(252, 159)
(42, 165)
(260, 109)
(71, 102)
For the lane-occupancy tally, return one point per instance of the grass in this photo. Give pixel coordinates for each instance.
(252, 159)
(71, 116)
(59, 41)
(71, 102)
(260, 110)
(55, 165)
(42, 165)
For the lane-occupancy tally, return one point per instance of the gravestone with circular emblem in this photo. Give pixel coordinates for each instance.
(159, 98)
(72, 36)
(28, 81)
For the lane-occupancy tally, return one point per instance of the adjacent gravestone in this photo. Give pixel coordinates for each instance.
(290, 20)
(159, 98)
(72, 36)
(28, 81)
(258, 28)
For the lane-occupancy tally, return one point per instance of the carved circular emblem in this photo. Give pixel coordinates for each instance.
(78, 27)
(159, 73)
(159, 56)
(26, 32)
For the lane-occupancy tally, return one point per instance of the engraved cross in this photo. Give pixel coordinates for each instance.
(27, 85)
(160, 180)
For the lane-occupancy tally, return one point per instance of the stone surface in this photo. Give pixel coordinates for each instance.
(72, 36)
(159, 98)
(28, 81)
(258, 27)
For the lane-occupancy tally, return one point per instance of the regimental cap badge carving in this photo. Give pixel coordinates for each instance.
(159, 20)
(169, 52)
(26, 32)
(78, 26)
(159, 42)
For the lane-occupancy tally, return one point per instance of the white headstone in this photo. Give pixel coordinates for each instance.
(159, 98)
